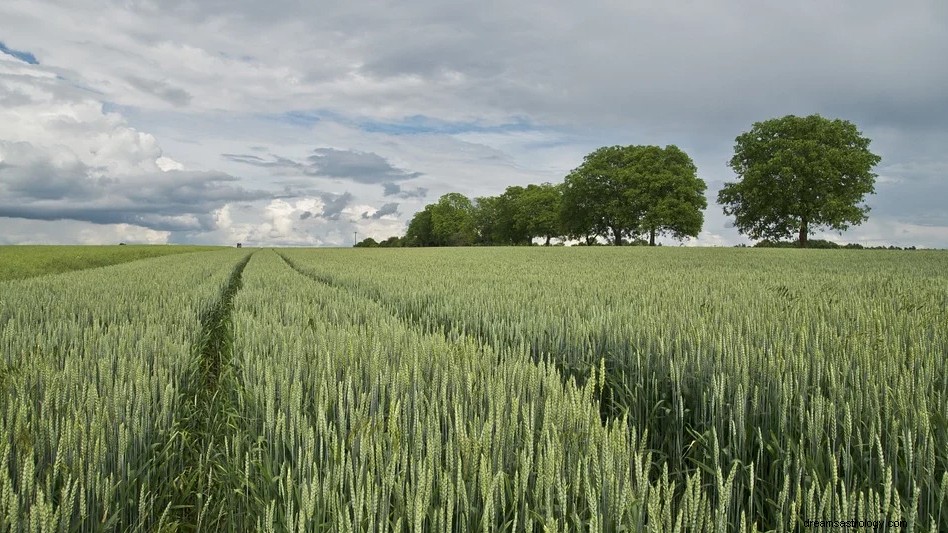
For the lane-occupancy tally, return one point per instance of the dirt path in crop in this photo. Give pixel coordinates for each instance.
(198, 449)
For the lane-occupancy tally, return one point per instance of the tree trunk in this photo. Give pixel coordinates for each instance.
(617, 235)
(651, 237)
(547, 241)
(803, 232)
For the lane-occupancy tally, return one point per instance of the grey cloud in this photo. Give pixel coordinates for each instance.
(34, 186)
(386, 209)
(395, 189)
(911, 193)
(28, 173)
(173, 95)
(360, 167)
(111, 215)
(333, 204)
(305, 214)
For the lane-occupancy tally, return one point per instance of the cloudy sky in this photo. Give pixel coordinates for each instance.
(299, 123)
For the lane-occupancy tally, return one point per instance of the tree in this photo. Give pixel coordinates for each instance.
(392, 242)
(486, 212)
(596, 197)
(539, 210)
(420, 231)
(452, 221)
(797, 175)
(366, 243)
(511, 223)
(671, 194)
(624, 192)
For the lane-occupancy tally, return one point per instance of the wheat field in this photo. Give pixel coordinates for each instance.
(478, 389)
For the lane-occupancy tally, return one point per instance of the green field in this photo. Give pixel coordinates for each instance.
(478, 389)
(26, 261)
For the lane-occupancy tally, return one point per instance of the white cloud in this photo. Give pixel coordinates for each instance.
(20, 231)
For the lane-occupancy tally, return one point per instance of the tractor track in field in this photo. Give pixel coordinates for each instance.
(198, 495)
(611, 403)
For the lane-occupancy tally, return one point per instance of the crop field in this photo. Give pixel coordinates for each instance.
(478, 389)
(17, 262)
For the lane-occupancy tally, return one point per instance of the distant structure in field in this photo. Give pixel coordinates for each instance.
(239, 245)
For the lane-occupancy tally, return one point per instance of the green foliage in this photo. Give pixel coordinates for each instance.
(366, 243)
(391, 242)
(420, 230)
(672, 195)
(452, 220)
(449, 222)
(596, 196)
(502, 220)
(624, 192)
(797, 175)
(26, 261)
(540, 208)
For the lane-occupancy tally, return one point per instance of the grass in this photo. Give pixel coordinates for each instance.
(27, 261)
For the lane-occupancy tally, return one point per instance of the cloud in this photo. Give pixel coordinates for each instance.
(360, 167)
(386, 210)
(173, 95)
(334, 204)
(42, 183)
(23, 231)
(394, 189)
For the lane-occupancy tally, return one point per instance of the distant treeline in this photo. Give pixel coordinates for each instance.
(620, 194)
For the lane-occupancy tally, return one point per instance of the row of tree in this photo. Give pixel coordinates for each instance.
(796, 175)
(620, 193)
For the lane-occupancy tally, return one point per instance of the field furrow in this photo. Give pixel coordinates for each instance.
(370, 424)
(792, 369)
(200, 493)
(97, 370)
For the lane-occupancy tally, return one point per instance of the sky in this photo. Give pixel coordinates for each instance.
(311, 123)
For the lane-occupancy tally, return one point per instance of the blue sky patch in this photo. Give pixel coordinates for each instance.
(26, 57)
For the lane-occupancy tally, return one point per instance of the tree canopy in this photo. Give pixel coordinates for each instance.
(797, 175)
(452, 220)
(619, 193)
(625, 192)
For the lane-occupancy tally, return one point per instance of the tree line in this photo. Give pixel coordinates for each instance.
(796, 175)
(622, 194)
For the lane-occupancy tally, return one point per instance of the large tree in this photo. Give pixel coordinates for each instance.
(624, 192)
(452, 221)
(486, 214)
(596, 197)
(420, 231)
(539, 211)
(672, 197)
(500, 220)
(798, 175)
